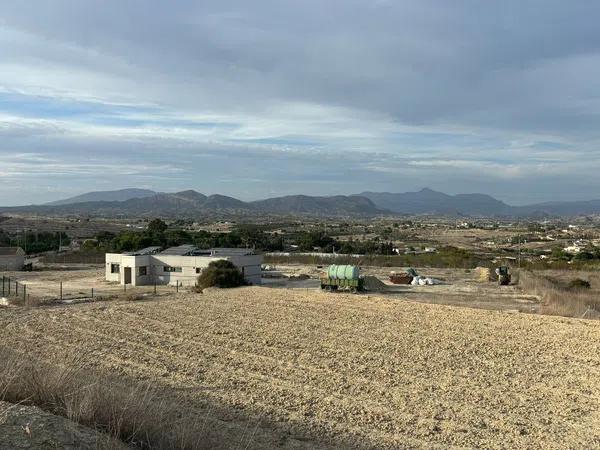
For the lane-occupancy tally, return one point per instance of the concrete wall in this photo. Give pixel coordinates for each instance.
(191, 267)
(112, 258)
(12, 262)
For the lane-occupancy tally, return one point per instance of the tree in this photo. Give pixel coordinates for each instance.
(157, 226)
(307, 242)
(222, 274)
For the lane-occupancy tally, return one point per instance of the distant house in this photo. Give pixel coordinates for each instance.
(12, 258)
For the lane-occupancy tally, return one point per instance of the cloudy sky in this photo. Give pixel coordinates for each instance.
(263, 98)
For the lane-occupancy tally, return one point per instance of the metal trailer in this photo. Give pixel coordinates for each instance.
(332, 285)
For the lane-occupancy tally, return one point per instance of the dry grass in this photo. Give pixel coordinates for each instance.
(134, 413)
(558, 298)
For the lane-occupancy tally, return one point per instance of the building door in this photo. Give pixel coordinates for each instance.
(127, 275)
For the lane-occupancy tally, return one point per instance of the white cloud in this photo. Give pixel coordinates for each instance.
(392, 95)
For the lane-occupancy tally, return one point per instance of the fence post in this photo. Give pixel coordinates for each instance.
(177, 286)
(155, 286)
(61, 290)
(16, 288)
(25, 294)
(8, 285)
(92, 292)
(3, 285)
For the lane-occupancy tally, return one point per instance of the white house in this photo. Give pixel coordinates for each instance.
(180, 265)
(12, 258)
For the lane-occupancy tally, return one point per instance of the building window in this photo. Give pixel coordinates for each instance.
(143, 270)
(115, 268)
(198, 270)
(172, 269)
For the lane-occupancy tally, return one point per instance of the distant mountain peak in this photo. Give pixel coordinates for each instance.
(190, 194)
(119, 195)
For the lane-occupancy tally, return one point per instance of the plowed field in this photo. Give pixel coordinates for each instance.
(303, 369)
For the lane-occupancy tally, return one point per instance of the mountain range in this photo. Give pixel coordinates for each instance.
(193, 204)
(147, 203)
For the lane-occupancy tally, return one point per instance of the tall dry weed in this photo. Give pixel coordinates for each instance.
(134, 413)
(557, 298)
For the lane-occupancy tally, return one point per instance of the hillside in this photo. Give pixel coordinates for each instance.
(301, 204)
(427, 201)
(105, 196)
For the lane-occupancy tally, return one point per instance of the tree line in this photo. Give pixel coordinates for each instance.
(35, 242)
(158, 233)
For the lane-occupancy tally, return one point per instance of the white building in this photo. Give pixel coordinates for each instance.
(12, 258)
(181, 265)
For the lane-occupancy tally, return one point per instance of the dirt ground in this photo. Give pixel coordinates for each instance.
(78, 280)
(295, 368)
(459, 287)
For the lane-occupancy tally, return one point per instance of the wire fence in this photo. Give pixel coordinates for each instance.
(22, 293)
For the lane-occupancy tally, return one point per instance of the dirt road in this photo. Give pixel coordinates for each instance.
(303, 369)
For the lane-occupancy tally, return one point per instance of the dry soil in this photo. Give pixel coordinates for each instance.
(303, 369)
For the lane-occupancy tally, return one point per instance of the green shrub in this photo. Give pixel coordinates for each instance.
(222, 274)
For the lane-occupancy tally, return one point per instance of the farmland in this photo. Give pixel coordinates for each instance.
(297, 368)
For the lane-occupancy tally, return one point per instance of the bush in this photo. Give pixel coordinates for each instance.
(222, 274)
(578, 283)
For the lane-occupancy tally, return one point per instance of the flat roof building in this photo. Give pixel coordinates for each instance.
(182, 264)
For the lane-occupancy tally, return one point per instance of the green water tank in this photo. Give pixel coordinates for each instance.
(343, 272)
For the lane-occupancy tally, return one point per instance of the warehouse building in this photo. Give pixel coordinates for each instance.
(174, 265)
(12, 258)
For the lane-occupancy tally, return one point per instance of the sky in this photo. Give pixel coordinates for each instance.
(257, 99)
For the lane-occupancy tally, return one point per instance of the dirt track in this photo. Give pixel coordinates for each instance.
(311, 370)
